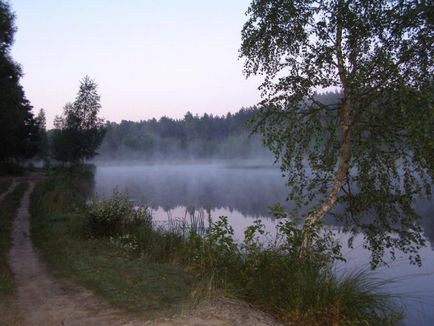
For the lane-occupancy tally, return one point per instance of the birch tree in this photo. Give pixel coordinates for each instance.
(372, 150)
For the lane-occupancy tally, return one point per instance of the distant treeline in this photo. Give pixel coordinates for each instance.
(193, 137)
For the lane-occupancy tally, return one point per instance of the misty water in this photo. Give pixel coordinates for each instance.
(243, 193)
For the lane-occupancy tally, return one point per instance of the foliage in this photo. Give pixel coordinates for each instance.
(43, 149)
(106, 265)
(193, 137)
(274, 278)
(214, 256)
(19, 130)
(371, 149)
(141, 262)
(79, 132)
(111, 217)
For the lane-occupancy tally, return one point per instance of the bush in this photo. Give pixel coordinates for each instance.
(215, 255)
(114, 216)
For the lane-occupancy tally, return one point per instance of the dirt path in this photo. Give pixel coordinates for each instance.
(43, 300)
(46, 301)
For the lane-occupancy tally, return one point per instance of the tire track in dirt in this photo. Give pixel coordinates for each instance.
(44, 300)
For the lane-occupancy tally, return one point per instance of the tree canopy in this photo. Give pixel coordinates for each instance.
(372, 150)
(18, 128)
(79, 131)
(192, 137)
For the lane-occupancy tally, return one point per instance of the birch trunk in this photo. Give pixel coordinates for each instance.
(317, 214)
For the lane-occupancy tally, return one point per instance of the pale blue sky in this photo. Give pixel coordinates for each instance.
(149, 58)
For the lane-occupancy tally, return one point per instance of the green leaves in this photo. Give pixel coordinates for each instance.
(19, 131)
(377, 56)
(79, 131)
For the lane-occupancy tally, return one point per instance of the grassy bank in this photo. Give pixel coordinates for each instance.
(8, 207)
(125, 280)
(115, 249)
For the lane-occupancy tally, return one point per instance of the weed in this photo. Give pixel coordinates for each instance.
(114, 216)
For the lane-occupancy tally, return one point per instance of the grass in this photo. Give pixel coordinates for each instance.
(124, 279)
(8, 207)
(4, 185)
(113, 249)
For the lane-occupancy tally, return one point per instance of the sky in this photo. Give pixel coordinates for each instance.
(149, 58)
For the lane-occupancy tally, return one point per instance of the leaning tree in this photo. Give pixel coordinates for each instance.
(367, 156)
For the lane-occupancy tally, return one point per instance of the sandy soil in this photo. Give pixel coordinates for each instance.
(218, 313)
(46, 301)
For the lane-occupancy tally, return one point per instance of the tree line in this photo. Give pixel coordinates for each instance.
(78, 131)
(20, 130)
(209, 136)
(192, 137)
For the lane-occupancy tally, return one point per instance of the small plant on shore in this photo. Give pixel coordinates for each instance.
(214, 255)
(113, 216)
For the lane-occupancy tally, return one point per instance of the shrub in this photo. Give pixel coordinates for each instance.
(114, 216)
(273, 277)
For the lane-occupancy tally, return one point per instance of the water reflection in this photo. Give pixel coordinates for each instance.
(226, 190)
(249, 191)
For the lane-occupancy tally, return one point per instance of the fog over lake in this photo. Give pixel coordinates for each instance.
(243, 192)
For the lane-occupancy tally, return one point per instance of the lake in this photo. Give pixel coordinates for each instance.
(244, 193)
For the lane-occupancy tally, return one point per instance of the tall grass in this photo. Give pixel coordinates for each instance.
(270, 276)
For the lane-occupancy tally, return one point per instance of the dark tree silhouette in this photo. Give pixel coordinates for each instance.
(193, 137)
(19, 132)
(80, 131)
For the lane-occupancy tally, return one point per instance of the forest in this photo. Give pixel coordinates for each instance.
(193, 137)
